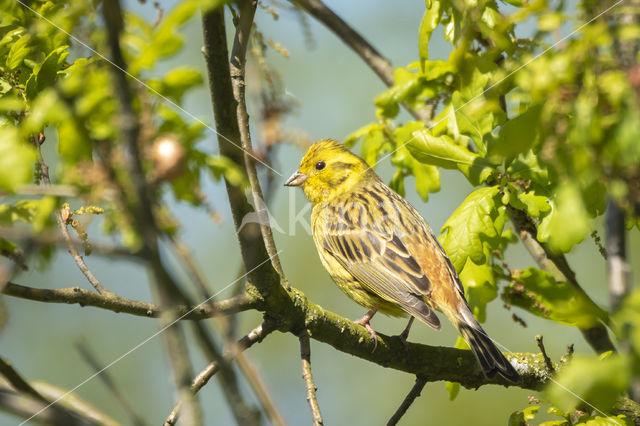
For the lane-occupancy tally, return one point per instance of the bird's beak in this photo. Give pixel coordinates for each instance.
(296, 179)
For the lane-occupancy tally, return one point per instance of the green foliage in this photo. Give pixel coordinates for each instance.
(549, 133)
(539, 293)
(568, 418)
(607, 378)
(521, 417)
(473, 226)
(48, 87)
(568, 221)
(16, 161)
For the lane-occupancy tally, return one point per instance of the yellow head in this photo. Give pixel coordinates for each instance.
(327, 170)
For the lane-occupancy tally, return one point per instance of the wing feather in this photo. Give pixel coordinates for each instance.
(374, 251)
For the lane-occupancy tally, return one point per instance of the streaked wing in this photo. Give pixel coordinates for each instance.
(372, 250)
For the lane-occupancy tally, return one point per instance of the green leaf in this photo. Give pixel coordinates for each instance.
(453, 388)
(540, 294)
(224, 167)
(535, 205)
(443, 152)
(20, 49)
(34, 212)
(372, 146)
(598, 381)
(427, 176)
(619, 420)
(427, 179)
(481, 286)
(22, 211)
(352, 138)
(568, 222)
(516, 137)
(429, 23)
(44, 73)
(16, 161)
(11, 102)
(177, 81)
(521, 417)
(471, 227)
(406, 83)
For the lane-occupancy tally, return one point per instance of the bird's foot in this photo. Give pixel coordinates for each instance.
(405, 334)
(364, 321)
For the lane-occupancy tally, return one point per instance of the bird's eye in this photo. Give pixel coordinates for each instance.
(320, 165)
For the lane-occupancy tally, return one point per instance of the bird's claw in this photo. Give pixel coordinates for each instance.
(405, 335)
(364, 321)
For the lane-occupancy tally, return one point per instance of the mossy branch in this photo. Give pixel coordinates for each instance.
(116, 303)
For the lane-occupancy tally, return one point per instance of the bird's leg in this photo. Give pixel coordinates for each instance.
(405, 333)
(364, 321)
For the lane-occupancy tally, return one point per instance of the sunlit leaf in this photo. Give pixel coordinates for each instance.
(568, 222)
(471, 226)
(516, 137)
(540, 294)
(443, 152)
(16, 160)
(598, 381)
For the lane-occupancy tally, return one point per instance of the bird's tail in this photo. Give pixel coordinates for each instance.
(490, 358)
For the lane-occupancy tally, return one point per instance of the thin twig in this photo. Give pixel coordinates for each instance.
(267, 402)
(16, 380)
(55, 238)
(29, 402)
(108, 381)
(201, 379)
(378, 63)
(252, 246)
(242, 412)
(543, 351)
(141, 205)
(246, 12)
(116, 303)
(312, 400)
(413, 394)
(251, 374)
(51, 189)
(44, 173)
(557, 265)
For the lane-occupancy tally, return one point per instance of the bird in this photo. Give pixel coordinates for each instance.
(382, 253)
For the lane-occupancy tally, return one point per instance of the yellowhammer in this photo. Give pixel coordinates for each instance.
(382, 253)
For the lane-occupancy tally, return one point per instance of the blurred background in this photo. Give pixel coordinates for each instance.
(334, 92)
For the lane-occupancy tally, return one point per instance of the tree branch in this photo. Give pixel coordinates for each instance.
(413, 394)
(252, 245)
(21, 398)
(107, 380)
(305, 354)
(242, 412)
(252, 374)
(557, 265)
(139, 201)
(617, 265)
(378, 63)
(44, 173)
(116, 303)
(51, 237)
(433, 363)
(246, 12)
(254, 336)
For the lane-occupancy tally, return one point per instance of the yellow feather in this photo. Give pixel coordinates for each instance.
(381, 252)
